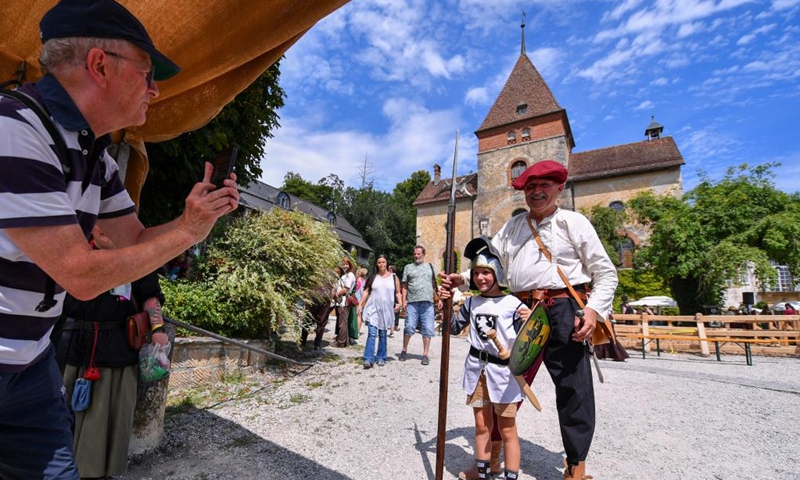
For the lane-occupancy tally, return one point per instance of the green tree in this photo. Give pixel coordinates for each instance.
(609, 222)
(403, 227)
(387, 221)
(717, 232)
(254, 274)
(176, 165)
(295, 184)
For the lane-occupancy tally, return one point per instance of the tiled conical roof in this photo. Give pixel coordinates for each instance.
(525, 86)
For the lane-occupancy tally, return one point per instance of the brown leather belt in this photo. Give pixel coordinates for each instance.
(529, 296)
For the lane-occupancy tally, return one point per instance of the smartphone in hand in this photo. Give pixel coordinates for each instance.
(223, 166)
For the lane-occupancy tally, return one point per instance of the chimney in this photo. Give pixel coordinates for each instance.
(437, 174)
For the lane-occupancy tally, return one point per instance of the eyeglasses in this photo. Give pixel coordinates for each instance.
(149, 76)
(531, 186)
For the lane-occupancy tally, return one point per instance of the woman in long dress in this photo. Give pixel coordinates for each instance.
(379, 302)
(91, 336)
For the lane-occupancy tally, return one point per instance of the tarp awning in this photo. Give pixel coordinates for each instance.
(222, 46)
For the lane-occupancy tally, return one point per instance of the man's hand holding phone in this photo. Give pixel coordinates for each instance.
(224, 179)
(223, 166)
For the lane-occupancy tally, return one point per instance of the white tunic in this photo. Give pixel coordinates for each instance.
(379, 310)
(499, 382)
(346, 281)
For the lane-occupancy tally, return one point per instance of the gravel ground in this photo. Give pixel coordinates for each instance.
(671, 417)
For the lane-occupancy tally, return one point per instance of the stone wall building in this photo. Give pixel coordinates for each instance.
(525, 125)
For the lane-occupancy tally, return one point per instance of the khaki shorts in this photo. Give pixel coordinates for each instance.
(480, 399)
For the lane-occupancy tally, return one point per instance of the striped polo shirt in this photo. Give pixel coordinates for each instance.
(36, 191)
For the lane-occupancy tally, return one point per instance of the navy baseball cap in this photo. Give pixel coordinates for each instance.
(103, 19)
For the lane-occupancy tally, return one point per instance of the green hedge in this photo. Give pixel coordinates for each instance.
(256, 274)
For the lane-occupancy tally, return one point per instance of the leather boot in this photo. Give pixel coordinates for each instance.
(576, 472)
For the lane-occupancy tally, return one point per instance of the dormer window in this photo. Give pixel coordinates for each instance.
(526, 134)
(522, 108)
(283, 200)
(331, 218)
(512, 137)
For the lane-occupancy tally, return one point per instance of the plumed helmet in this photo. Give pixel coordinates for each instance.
(482, 253)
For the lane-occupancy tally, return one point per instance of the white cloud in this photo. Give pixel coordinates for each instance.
(548, 61)
(688, 29)
(604, 67)
(646, 105)
(477, 97)
(784, 4)
(745, 39)
(623, 8)
(666, 13)
(415, 139)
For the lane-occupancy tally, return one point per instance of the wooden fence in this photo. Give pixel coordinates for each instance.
(762, 334)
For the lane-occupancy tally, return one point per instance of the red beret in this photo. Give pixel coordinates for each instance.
(545, 169)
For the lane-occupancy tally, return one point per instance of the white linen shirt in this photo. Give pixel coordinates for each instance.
(347, 281)
(574, 246)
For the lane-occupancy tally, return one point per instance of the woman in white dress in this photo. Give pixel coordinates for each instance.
(379, 302)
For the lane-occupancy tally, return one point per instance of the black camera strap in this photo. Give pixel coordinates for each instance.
(49, 300)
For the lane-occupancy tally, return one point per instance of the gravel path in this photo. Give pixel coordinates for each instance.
(670, 417)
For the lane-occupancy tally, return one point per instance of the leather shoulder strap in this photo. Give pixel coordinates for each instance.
(58, 140)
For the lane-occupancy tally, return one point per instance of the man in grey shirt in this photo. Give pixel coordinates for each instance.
(418, 289)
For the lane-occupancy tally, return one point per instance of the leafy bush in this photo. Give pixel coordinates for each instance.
(252, 278)
(637, 284)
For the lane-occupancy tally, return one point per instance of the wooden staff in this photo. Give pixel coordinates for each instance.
(503, 354)
(447, 314)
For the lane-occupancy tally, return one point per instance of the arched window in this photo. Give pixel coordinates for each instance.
(332, 218)
(617, 205)
(517, 168)
(526, 134)
(512, 137)
(283, 200)
(518, 211)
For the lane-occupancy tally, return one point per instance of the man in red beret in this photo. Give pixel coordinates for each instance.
(577, 251)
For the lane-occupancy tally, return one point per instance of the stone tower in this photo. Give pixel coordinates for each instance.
(524, 126)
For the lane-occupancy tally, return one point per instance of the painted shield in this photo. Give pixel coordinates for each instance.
(530, 342)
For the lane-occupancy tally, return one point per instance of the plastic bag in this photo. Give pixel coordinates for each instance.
(154, 361)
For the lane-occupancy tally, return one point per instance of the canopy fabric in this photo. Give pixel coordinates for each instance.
(222, 46)
(654, 302)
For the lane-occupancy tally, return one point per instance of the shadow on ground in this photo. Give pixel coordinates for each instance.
(191, 451)
(535, 460)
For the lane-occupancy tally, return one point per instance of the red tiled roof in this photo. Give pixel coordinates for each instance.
(524, 86)
(625, 159)
(441, 192)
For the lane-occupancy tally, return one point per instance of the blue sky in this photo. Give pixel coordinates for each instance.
(392, 80)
